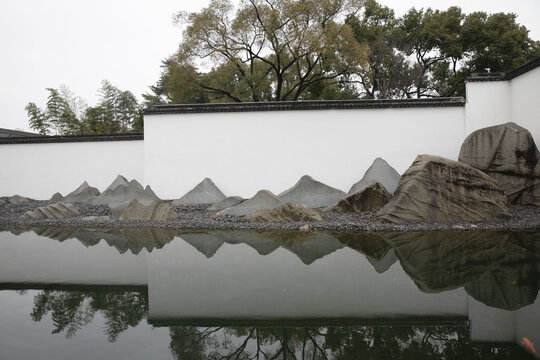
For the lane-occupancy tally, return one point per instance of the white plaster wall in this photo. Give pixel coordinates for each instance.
(525, 102)
(488, 104)
(40, 170)
(244, 152)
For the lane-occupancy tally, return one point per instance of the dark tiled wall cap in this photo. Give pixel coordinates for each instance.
(531, 65)
(71, 138)
(305, 105)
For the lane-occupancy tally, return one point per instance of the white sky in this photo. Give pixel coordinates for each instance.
(45, 43)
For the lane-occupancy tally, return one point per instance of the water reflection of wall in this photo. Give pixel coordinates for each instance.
(233, 275)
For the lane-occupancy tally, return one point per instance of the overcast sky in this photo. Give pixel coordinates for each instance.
(46, 43)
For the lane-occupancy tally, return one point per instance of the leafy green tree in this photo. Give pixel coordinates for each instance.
(270, 50)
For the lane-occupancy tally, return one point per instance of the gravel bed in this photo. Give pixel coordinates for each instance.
(199, 218)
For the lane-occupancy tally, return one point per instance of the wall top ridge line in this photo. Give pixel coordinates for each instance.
(71, 138)
(305, 105)
(531, 65)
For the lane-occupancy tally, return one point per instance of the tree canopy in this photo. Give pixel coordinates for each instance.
(67, 114)
(276, 50)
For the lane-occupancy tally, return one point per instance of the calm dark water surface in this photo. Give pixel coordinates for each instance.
(157, 294)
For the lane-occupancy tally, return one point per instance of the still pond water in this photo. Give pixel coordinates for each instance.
(157, 294)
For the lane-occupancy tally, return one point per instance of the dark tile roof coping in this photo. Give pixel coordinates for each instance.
(305, 105)
(478, 77)
(71, 138)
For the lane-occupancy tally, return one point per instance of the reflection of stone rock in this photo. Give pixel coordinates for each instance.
(206, 243)
(378, 252)
(379, 171)
(508, 154)
(372, 196)
(319, 246)
(439, 261)
(263, 199)
(206, 192)
(82, 194)
(509, 287)
(156, 211)
(438, 189)
(54, 211)
(310, 192)
(226, 203)
(18, 200)
(124, 194)
(56, 233)
(288, 212)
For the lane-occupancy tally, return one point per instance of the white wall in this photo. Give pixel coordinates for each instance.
(40, 170)
(492, 103)
(487, 104)
(244, 152)
(525, 102)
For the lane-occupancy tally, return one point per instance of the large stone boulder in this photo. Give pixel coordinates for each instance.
(206, 192)
(156, 211)
(82, 194)
(54, 211)
(288, 212)
(381, 172)
(436, 189)
(226, 203)
(372, 196)
(508, 154)
(313, 193)
(122, 194)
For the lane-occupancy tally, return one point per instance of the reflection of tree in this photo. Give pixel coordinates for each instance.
(340, 342)
(71, 310)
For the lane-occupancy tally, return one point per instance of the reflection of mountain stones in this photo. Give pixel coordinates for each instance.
(492, 265)
(263, 199)
(508, 154)
(321, 245)
(54, 211)
(310, 192)
(381, 172)
(378, 252)
(206, 192)
(206, 243)
(82, 194)
(122, 240)
(439, 189)
(509, 287)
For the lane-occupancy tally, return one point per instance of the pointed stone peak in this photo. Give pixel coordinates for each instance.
(136, 184)
(120, 180)
(379, 171)
(262, 199)
(310, 192)
(206, 192)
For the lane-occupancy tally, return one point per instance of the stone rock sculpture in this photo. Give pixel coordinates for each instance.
(263, 199)
(83, 194)
(372, 196)
(310, 192)
(124, 194)
(226, 203)
(156, 211)
(288, 212)
(379, 171)
(59, 210)
(206, 192)
(442, 190)
(508, 154)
